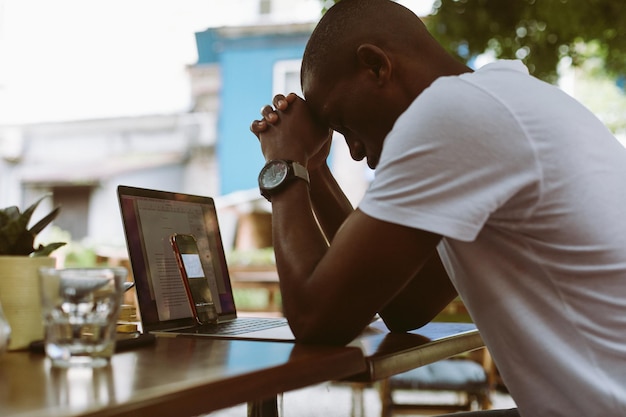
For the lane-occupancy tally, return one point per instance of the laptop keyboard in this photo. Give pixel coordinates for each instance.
(239, 326)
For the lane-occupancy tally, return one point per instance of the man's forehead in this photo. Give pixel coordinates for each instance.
(306, 83)
(319, 99)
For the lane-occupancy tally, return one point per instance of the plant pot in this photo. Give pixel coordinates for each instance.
(20, 297)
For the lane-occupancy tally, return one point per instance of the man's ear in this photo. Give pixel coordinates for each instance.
(375, 60)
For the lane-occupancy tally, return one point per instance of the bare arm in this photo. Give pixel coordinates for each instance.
(425, 295)
(330, 204)
(331, 292)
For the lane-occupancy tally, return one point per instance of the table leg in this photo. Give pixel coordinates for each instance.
(358, 401)
(263, 408)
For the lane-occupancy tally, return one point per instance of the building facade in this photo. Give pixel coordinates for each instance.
(207, 149)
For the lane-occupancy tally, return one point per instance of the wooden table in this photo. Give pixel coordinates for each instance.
(389, 354)
(190, 376)
(173, 377)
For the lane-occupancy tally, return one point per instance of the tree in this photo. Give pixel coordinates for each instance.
(539, 32)
(590, 34)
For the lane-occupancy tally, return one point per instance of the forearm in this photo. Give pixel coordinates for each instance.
(425, 296)
(330, 204)
(299, 245)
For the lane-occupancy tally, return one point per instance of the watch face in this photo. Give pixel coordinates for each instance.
(273, 174)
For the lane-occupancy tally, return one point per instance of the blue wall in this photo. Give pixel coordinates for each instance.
(246, 66)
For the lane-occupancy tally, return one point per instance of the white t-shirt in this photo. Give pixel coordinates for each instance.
(528, 190)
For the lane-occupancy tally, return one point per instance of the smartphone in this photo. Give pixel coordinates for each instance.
(194, 279)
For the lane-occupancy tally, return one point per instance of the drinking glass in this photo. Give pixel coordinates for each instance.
(80, 308)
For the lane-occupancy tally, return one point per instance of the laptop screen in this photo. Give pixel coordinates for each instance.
(150, 217)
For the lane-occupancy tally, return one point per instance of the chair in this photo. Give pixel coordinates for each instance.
(468, 376)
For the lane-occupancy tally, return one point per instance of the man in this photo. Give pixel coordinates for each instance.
(489, 183)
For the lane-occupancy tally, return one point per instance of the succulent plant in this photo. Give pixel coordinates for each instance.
(15, 236)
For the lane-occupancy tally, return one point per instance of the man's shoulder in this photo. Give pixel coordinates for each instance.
(467, 95)
(515, 66)
(500, 68)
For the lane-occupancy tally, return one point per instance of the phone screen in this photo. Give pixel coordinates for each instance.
(194, 278)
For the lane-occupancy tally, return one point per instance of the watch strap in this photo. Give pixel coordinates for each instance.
(300, 171)
(295, 170)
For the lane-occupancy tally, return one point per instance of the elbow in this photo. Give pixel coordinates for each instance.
(323, 337)
(317, 332)
(327, 340)
(399, 318)
(401, 324)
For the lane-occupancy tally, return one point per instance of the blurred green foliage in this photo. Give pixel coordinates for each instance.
(252, 257)
(17, 238)
(539, 32)
(253, 299)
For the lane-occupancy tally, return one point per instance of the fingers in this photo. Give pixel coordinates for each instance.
(281, 102)
(269, 114)
(258, 126)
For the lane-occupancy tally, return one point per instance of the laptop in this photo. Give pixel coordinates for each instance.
(149, 218)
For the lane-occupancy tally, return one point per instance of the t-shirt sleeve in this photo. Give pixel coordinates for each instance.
(453, 160)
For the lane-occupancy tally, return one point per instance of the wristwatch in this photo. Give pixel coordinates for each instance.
(277, 173)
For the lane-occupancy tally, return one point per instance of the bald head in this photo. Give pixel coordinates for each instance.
(332, 46)
(364, 64)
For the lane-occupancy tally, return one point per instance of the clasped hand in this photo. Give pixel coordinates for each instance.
(289, 130)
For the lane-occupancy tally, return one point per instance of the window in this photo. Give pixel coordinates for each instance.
(287, 77)
(74, 201)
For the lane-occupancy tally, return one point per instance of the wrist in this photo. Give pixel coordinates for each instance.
(321, 169)
(320, 175)
(277, 174)
(282, 153)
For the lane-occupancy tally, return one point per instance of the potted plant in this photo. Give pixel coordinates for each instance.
(20, 260)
